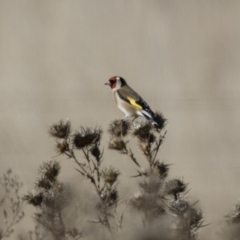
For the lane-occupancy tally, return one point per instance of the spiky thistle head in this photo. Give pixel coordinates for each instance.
(34, 199)
(144, 133)
(109, 197)
(179, 206)
(175, 187)
(116, 144)
(195, 217)
(44, 183)
(110, 175)
(95, 151)
(160, 120)
(49, 170)
(234, 215)
(61, 129)
(119, 128)
(62, 146)
(87, 137)
(113, 197)
(161, 169)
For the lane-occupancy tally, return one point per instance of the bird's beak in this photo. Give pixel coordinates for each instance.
(107, 83)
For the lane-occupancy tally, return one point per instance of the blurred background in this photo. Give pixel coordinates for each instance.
(182, 56)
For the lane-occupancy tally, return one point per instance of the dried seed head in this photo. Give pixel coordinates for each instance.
(34, 199)
(62, 147)
(44, 183)
(116, 144)
(108, 198)
(234, 216)
(144, 146)
(162, 169)
(194, 216)
(179, 206)
(110, 175)
(60, 130)
(96, 152)
(174, 187)
(119, 128)
(113, 197)
(143, 133)
(160, 120)
(50, 170)
(87, 137)
(151, 138)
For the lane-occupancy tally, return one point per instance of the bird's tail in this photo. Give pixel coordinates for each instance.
(157, 119)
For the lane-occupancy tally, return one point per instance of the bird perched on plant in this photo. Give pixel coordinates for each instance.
(130, 102)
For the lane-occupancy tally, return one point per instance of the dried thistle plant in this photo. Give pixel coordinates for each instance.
(95, 151)
(174, 187)
(160, 200)
(161, 120)
(153, 198)
(143, 132)
(60, 130)
(231, 229)
(188, 220)
(117, 144)
(87, 140)
(87, 137)
(110, 175)
(184, 221)
(34, 199)
(11, 203)
(119, 128)
(49, 171)
(49, 200)
(149, 137)
(234, 215)
(62, 147)
(161, 169)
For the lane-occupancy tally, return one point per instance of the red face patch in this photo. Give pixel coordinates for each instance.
(113, 82)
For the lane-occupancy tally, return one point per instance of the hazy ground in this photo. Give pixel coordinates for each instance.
(182, 56)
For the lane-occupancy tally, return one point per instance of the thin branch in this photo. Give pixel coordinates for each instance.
(131, 155)
(159, 143)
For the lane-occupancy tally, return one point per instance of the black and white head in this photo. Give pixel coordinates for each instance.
(116, 82)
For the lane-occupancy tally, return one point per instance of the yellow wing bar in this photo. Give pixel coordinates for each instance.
(133, 102)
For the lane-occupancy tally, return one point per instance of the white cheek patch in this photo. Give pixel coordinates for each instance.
(118, 78)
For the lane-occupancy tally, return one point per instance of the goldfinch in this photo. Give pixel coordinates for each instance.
(128, 101)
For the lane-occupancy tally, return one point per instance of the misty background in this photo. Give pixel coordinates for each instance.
(182, 57)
